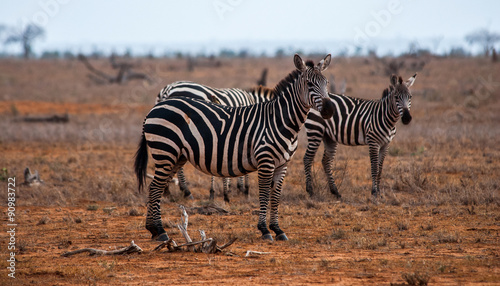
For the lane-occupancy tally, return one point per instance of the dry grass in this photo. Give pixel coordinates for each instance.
(437, 222)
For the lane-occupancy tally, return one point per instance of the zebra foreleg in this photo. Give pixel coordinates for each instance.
(328, 156)
(279, 176)
(374, 150)
(381, 157)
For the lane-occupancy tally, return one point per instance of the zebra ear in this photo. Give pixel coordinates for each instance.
(411, 80)
(394, 79)
(324, 63)
(299, 63)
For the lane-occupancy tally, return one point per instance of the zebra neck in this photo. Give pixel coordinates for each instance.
(289, 108)
(289, 111)
(390, 111)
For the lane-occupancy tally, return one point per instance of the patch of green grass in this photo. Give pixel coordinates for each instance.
(4, 174)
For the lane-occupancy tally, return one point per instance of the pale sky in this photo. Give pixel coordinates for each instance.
(255, 24)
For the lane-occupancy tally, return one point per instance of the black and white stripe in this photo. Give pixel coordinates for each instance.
(233, 97)
(232, 141)
(358, 122)
(226, 96)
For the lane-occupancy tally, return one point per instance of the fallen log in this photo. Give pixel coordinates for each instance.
(132, 248)
(51, 118)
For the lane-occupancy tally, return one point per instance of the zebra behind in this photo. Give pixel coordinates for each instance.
(226, 96)
(228, 142)
(358, 122)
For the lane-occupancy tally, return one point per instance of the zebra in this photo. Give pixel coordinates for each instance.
(232, 141)
(358, 122)
(227, 96)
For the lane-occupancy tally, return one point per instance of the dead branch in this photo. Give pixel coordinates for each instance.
(93, 70)
(252, 253)
(207, 210)
(126, 250)
(31, 179)
(205, 245)
(124, 73)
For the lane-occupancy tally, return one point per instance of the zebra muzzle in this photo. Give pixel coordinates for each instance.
(328, 109)
(406, 119)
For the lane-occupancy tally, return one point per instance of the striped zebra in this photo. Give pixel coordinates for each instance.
(233, 97)
(358, 122)
(232, 141)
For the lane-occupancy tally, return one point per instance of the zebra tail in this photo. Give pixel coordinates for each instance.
(141, 162)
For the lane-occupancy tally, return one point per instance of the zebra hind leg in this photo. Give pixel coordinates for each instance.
(312, 148)
(163, 174)
(227, 183)
(153, 218)
(183, 186)
(212, 189)
(243, 185)
(327, 161)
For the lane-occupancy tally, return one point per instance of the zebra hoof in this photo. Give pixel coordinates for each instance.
(162, 237)
(282, 237)
(267, 237)
(190, 197)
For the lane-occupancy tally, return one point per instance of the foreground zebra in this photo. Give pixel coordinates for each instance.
(358, 122)
(228, 142)
(233, 97)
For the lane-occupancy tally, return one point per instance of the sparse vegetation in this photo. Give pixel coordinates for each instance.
(416, 278)
(439, 184)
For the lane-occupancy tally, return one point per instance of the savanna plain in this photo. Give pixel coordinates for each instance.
(437, 222)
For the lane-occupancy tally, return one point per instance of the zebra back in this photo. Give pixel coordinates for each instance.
(225, 96)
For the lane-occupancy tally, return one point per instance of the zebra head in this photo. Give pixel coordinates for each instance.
(402, 96)
(317, 94)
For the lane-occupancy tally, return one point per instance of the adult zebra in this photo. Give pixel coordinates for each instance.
(358, 122)
(233, 97)
(225, 141)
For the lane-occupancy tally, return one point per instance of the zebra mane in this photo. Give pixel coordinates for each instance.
(310, 64)
(387, 92)
(283, 84)
(260, 89)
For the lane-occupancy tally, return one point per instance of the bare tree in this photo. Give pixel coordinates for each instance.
(485, 38)
(25, 37)
(263, 78)
(123, 75)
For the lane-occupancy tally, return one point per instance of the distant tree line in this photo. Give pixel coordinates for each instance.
(27, 36)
